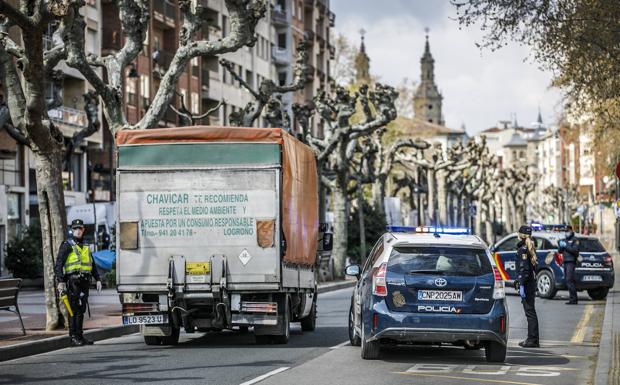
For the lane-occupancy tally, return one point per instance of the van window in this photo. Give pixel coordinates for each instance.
(590, 245)
(508, 245)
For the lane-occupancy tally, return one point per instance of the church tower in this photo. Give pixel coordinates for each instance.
(362, 64)
(427, 99)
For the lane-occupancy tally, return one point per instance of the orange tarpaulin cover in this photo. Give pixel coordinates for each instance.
(300, 221)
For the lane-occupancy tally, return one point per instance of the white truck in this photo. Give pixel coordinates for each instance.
(218, 228)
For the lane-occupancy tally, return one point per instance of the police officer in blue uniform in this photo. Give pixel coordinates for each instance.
(569, 247)
(526, 255)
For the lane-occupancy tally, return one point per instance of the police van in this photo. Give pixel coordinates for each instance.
(594, 270)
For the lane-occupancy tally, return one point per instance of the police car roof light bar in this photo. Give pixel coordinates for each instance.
(429, 230)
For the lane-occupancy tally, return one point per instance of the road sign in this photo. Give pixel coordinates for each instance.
(618, 170)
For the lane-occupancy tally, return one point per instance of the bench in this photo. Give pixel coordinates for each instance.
(9, 290)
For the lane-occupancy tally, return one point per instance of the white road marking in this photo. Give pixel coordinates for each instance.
(340, 345)
(266, 375)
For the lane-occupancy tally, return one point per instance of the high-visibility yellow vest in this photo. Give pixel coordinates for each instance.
(79, 260)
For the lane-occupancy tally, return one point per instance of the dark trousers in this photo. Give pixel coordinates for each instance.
(530, 311)
(569, 276)
(77, 291)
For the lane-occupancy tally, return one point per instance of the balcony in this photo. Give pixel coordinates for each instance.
(214, 32)
(281, 56)
(279, 18)
(310, 72)
(332, 19)
(165, 12)
(68, 116)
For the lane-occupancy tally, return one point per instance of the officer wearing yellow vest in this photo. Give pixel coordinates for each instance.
(74, 269)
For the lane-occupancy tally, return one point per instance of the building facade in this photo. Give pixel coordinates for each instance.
(18, 185)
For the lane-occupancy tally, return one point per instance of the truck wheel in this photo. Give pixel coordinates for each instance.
(495, 352)
(173, 338)
(286, 319)
(545, 283)
(308, 323)
(152, 340)
(370, 349)
(353, 337)
(598, 293)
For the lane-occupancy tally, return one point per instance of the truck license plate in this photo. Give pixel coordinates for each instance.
(156, 319)
(439, 295)
(592, 278)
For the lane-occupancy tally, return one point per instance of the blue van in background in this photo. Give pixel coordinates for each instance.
(594, 271)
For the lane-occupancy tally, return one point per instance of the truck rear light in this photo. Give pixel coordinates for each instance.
(378, 281)
(559, 258)
(498, 288)
(609, 261)
(259, 307)
(140, 307)
(502, 324)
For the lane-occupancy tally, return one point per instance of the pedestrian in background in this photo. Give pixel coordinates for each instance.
(526, 254)
(74, 269)
(569, 247)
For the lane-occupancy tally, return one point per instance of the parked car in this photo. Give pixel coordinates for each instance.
(594, 271)
(428, 285)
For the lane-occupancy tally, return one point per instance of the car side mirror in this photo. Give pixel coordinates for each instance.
(353, 270)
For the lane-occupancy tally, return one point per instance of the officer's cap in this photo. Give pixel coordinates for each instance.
(77, 223)
(527, 230)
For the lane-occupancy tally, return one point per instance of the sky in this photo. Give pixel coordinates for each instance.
(479, 87)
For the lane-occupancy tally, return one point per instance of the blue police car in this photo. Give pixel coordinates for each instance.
(594, 270)
(429, 285)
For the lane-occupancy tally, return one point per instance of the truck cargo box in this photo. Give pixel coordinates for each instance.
(243, 200)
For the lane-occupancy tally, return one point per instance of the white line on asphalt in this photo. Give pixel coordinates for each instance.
(580, 331)
(340, 345)
(266, 375)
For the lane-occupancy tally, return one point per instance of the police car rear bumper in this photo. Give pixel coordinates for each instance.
(581, 274)
(438, 335)
(438, 327)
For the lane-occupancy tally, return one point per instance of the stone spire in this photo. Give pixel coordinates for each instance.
(539, 119)
(427, 99)
(362, 63)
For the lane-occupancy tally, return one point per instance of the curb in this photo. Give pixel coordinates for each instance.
(335, 286)
(60, 342)
(604, 362)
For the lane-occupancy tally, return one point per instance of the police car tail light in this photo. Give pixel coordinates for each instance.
(559, 259)
(609, 260)
(378, 281)
(498, 289)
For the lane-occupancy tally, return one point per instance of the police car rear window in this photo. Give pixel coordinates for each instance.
(590, 245)
(439, 260)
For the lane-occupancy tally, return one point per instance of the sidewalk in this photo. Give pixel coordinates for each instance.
(608, 363)
(105, 322)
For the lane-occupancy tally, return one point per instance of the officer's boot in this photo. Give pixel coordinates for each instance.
(73, 331)
(81, 331)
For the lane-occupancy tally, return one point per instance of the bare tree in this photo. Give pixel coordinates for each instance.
(188, 118)
(336, 149)
(269, 94)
